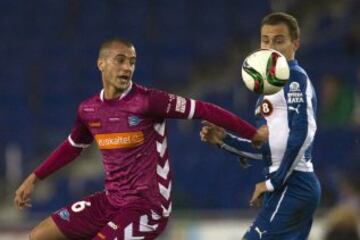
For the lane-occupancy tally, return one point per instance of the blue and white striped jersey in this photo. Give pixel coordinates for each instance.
(290, 117)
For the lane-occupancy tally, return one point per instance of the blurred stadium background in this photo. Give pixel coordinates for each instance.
(193, 48)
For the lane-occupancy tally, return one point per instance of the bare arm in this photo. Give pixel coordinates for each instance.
(22, 194)
(66, 152)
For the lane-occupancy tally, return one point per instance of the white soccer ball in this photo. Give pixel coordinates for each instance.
(265, 71)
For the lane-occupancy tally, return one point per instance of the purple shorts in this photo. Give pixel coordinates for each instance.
(95, 218)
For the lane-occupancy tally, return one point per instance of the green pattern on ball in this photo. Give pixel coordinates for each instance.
(270, 71)
(256, 76)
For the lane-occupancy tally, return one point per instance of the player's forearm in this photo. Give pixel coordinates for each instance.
(240, 147)
(31, 179)
(224, 118)
(240, 144)
(64, 154)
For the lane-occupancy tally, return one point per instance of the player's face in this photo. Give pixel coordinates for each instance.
(118, 66)
(278, 37)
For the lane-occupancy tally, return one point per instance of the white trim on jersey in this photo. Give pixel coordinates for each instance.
(278, 205)
(77, 145)
(102, 95)
(255, 156)
(302, 166)
(192, 109)
(121, 96)
(269, 186)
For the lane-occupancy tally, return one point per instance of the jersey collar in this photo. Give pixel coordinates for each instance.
(121, 96)
(293, 62)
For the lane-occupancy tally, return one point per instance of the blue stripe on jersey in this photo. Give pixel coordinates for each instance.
(301, 124)
(295, 95)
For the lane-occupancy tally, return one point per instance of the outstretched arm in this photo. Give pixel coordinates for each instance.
(241, 147)
(65, 153)
(167, 105)
(22, 194)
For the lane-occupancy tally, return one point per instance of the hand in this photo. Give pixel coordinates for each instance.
(260, 137)
(211, 133)
(22, 194)
(258, 194)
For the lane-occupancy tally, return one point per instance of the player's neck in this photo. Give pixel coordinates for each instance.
(111, 92)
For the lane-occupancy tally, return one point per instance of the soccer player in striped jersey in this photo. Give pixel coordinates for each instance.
(127, 122)
(291, 189)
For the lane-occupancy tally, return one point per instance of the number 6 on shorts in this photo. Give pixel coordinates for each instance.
(80, 205)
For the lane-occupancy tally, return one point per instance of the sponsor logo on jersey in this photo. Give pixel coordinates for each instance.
(171, 98)
(266, 108)
(133, 120)
(180, 104)
(257, 229)
(112, 225)
(89, 109)
(295, 109)
(295, 98)
(114, 119)
(64, 214)
(95, 124)
(119, 140)
(295, 95)
(101, 236)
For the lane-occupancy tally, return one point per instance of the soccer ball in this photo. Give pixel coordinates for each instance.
(265, 71)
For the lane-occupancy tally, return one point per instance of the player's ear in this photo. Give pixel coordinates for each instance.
(100, 64)
(296, 44)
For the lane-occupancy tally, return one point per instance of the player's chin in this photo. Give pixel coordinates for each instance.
(122, 84)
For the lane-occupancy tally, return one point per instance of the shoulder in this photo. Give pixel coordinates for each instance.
(299, 79)
(148, 92)
(90, 104)
(144, 90)
(298, 74)
(140, 90)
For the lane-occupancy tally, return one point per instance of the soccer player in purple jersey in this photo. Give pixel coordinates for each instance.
(127, 121)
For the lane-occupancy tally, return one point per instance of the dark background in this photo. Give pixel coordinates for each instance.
(48, 51)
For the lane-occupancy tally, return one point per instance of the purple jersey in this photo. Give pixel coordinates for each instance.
(131, 135)
(130, 132)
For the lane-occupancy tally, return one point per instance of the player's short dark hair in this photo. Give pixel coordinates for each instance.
(108, 42)
(280, 17)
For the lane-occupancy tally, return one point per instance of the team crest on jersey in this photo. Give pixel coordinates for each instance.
(295, 95)
(294, 87)
(133, 120)
(64, 214)
(266, 108)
